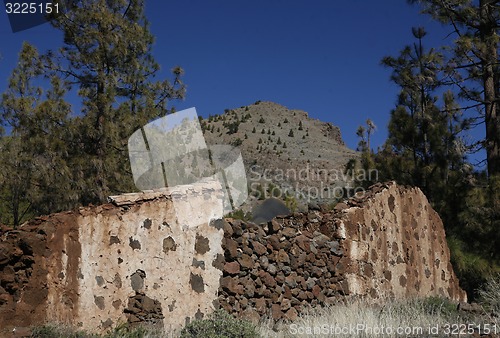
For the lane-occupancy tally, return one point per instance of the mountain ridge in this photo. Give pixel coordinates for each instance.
(283, 148)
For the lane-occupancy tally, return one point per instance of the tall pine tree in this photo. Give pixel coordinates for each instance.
(474, 68)
(107, 55)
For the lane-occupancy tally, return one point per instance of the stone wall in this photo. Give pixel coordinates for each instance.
(133, 260)
(388, 243)
(143, 258)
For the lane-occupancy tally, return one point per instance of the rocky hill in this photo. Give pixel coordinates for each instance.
(285, 148)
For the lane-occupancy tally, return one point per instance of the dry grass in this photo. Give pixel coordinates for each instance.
(408, 318)
(490, 294)
(404, 318)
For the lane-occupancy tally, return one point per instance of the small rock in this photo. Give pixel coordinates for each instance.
(258, 248)
(276, 312)
(283, 257)
(232, 268)
(251, 315)
(267, 279)
(340, 206)
(246, 262)
(291, 314)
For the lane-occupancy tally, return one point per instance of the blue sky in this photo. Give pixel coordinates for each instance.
(319, 56)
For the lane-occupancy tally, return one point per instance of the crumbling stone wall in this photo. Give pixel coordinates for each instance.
(137, 259)
(131, 260)
(388, 243)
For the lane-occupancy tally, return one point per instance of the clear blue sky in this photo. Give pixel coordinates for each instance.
(319, 56)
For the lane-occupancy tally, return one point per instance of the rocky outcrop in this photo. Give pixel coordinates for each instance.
(136, 260)
(388, 243)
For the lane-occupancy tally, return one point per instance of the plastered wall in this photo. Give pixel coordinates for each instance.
(133, 260)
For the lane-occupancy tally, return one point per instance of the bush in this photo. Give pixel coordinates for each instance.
(219, 324)
(471, 268)
(489, 294)
(439, 306)
(238, 142)
(240, 214)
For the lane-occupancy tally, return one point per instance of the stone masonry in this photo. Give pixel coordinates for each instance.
(389, 243)
(134, 260)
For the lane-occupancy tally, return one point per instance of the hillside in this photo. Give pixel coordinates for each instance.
(284, 147)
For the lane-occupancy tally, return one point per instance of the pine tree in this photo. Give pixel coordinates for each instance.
(418, 127)
(107, 55)
(474, 68)
(426, 148)
(35, 175)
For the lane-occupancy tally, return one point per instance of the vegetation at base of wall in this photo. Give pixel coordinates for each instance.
(121, 331)
(220, 324)
(410, 314)
(406, 313)
(56, 331)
